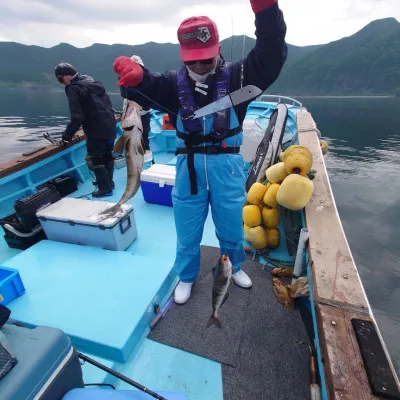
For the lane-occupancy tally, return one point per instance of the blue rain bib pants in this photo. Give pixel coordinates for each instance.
(221, 186)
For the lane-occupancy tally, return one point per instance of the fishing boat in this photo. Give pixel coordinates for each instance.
(113, 309)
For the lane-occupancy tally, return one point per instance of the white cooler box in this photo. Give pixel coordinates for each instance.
(157, 183)
(76, 221)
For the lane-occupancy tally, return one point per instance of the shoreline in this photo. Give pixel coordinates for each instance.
(316, 96)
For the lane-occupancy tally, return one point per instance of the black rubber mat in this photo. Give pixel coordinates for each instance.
(260, 341)
(272, 362)
(184, 326)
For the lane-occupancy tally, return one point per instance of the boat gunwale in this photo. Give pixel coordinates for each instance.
(346, 305)
(18, 164)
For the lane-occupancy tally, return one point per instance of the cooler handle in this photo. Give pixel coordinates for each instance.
(128, 225)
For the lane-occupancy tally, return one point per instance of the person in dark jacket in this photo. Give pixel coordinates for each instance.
(91, 108)
(209, 167)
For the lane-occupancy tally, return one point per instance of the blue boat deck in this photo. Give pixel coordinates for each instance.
(104, 300)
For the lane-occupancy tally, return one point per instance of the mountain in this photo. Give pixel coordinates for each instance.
(367, 62)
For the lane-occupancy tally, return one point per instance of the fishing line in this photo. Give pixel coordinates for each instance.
(232, 37)
(230, 164)
(244, 36)
(158, 104)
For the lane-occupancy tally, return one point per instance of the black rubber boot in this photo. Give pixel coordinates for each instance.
(103, 182)
(110, 170)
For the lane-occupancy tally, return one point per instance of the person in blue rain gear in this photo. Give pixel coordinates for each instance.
(209, 168)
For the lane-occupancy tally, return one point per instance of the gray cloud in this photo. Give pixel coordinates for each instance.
(84, 22)
(98, 12)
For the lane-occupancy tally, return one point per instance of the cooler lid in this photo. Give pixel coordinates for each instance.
(82, 211)
(161, 174)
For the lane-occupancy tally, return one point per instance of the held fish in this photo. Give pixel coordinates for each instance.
(222, 278)
(131, 142)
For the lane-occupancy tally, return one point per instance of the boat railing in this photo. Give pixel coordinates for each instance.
(339, 302)
(268, 97)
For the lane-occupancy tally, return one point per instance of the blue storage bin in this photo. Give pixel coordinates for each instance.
(170, 140)
(11, 285)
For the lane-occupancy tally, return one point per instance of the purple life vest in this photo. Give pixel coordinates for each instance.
(221, 119)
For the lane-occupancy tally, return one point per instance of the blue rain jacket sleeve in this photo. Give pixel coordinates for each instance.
(262, 67)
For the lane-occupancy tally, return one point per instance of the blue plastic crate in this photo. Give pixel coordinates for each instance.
(11, 285)
(170, 140)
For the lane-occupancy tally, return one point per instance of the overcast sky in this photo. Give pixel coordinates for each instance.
(84, 22)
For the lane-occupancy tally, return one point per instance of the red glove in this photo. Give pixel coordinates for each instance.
(259, 5)
(130, 73)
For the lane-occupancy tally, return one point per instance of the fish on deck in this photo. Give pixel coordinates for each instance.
(285, 294)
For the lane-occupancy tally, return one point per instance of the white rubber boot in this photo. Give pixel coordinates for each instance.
(242, 279)
(182, 292)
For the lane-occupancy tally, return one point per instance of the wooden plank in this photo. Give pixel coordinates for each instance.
(344, 368)
(30, 158)
(335, 276)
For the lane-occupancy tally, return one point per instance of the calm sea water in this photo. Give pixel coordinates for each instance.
(363, 165)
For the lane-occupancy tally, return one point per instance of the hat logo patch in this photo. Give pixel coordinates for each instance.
(202, 33)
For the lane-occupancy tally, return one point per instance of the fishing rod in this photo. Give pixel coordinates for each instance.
(104, 368)
(49, 137)
(120, 376)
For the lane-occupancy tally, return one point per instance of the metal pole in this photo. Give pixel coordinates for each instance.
(298, 263)
(120, 376)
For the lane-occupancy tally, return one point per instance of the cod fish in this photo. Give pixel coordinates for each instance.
(131, 142)
(222, 278)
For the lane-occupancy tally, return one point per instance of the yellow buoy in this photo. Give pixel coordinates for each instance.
(251, 215)
(270, 195)
(273, 238)
(324, 146)
(256, 193)
(276, 173)
(298, 160)
(257, 237)
(295, 192)
(270, 217)
(289, 150)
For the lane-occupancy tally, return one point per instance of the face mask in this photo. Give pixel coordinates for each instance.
(199, 78)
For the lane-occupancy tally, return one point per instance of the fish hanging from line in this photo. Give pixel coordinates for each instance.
(222, 278)
(130, 142)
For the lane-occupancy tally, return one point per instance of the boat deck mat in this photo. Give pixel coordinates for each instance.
(259, 345)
